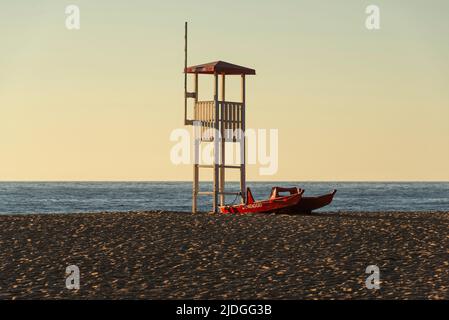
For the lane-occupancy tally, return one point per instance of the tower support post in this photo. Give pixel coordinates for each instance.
(196, 156)
(216, 145)
(222, 141)
(243, 144)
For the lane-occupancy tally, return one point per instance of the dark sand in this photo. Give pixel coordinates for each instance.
(181, 255)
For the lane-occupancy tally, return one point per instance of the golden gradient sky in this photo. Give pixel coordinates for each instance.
(100, 103)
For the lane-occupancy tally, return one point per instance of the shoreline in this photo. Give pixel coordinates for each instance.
(180, 255)
(314, 213)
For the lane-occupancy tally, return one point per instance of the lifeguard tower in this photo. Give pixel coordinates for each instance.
(217, 121)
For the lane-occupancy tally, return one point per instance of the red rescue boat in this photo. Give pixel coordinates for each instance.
(275, 203)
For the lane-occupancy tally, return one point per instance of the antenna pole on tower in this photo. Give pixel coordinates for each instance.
(185, 74)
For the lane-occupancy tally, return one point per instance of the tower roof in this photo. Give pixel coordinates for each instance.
(219, 67)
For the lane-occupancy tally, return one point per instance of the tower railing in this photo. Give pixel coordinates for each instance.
(230, 119)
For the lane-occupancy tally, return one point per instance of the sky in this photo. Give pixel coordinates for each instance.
(349, 104)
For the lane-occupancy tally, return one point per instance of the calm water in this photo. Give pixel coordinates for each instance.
(67, 197)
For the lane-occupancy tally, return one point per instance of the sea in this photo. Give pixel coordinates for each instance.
(79, 197)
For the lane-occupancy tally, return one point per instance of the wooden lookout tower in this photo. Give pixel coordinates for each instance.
(217, 121)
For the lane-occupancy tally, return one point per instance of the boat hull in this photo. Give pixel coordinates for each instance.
(309, 204)
(266, 206)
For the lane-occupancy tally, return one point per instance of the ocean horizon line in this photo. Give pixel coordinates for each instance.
(248, 181)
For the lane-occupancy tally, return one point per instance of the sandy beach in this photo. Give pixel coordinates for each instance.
(167, 255)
